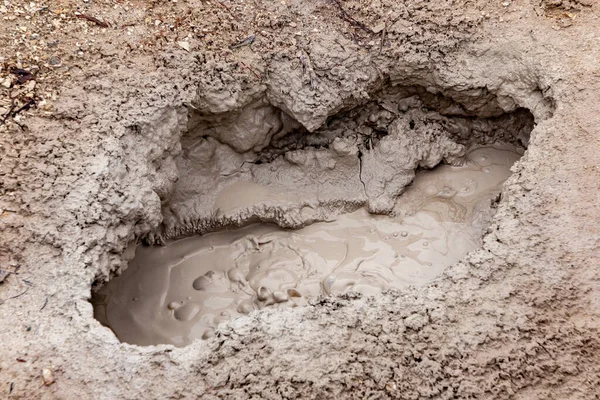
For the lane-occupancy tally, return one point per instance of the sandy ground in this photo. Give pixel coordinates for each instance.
(83, 152)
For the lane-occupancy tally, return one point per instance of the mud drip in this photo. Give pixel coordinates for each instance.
(181, 292)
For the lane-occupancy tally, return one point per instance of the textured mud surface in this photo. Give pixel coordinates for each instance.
(103, 167)
(181, 292)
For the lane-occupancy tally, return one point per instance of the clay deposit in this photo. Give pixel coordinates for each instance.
(128, 122)
(182, 291)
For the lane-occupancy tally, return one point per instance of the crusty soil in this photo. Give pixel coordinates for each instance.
(516, 319)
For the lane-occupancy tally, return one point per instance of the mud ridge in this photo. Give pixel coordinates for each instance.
(213, 147)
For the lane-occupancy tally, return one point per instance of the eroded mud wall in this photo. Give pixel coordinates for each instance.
(364, 156)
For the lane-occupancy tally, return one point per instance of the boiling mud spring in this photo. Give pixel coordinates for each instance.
(182, 291)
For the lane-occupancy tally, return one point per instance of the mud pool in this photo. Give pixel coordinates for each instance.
(182, 291)
(119, 144)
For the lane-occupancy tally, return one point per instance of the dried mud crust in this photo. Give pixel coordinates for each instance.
(82, 178)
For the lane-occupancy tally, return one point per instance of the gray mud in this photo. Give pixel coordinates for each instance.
(363, 157)
(142, 141)
(184, 290)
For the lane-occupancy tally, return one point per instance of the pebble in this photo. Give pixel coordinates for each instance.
(54, 61)
(29, 86)
(184, 45)
(379, 27)
(47, 376)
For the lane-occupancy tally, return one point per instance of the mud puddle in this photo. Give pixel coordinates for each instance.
(180, 292)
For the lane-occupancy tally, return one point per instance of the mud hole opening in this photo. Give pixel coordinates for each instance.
(260, 212)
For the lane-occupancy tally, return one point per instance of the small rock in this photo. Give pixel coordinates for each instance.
(379, 27)
(7, 83)
(30, 86)
(184, 45)
(55, 61)
(47, 376)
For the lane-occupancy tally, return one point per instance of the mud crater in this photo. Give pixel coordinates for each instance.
(361, 220)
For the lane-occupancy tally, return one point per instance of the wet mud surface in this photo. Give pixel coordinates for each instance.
(182, 291)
